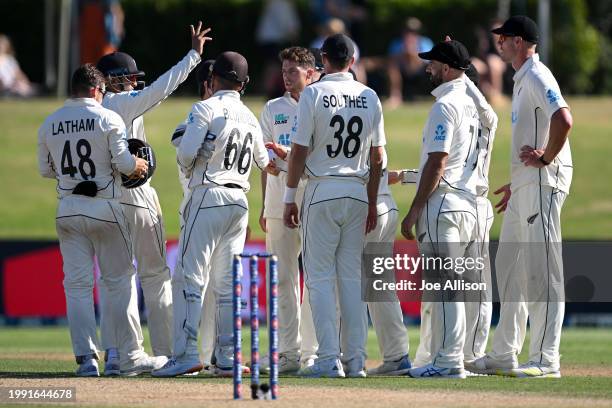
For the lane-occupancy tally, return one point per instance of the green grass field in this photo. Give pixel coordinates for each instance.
(43, 355)
(29, 205)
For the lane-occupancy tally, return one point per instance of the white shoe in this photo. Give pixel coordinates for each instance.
(432, 371)
(535, 370)
(398, 367)
(145, 364)
(355, 368)
(490, 366)
(307, 362)
(174, 367)
(88, 368)
(287, 365)
(325, 369)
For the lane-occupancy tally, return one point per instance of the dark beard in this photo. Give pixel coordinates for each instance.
(435, 80)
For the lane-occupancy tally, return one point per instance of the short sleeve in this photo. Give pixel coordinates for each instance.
(547, 95)
(440, 128)
(378, 133)
(265, 122)
(305, 118)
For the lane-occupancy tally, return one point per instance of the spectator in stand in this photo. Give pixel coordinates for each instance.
(489, 65)
(13, 82)
(335, 26)
(407, 76)
(100, 28)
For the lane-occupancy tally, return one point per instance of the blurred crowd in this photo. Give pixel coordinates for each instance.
(399, 74)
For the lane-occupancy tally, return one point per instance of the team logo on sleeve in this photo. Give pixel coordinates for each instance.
(280, 119)
(284, 139)
(552, 96)
(514, 117)
(440, 134)
(190, 118)
(134, 94)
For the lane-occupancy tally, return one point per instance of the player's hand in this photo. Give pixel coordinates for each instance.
(372, 218)
(198, 37)
(503, 203)
(291, 215)
(272, 168)
(395, 176)
(278, 150)
(140, 171)
(531, 157)
(262, 221)
(408, 224)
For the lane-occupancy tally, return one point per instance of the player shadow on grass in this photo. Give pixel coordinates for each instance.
(26, 374)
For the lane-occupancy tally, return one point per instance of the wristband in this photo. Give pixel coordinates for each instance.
(289, 196)
(544, 162)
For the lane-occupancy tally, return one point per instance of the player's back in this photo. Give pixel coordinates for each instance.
(237, 138)
(345, 118)
(77, 137)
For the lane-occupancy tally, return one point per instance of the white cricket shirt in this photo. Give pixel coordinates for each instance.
(339, 119)
(236, 134)
(535, 98)
(452, 127)
(84, 141)
(278, 120)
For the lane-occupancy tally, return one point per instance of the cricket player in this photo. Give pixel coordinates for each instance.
(278, 119)
(82, 145)
(530, 240)
(216, 215)
(141, 205)
(208, 323)
(339, 145)
(443, 209)
(477, 311)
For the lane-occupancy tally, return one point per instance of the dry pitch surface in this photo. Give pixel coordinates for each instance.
(41, 358)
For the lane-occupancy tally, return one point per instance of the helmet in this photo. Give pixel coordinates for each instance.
(118, 64)
(142, 150)
(121, 66)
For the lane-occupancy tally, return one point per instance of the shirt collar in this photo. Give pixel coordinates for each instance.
(338, 76)
(290, 98)
(81, 102)
(518, 75)
(447, 87)
(227, 93)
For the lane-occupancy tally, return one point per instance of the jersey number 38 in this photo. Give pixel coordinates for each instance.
(349, 146)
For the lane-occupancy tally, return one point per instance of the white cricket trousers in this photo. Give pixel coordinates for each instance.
(88, 227)
(477, 314)
(295, 327)
(208, 323)
(144, 216)
(387, 317)
(445, 229)
(215, 229)
(333, 234)
(530, 251)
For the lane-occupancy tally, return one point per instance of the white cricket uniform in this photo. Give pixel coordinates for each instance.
(143, 212)
(447, 224)
(215, 217)
(208, 323)
(83, 141)
(278, 120)
(477, 313)
(387, 317)
(339, 119)
(530, 240)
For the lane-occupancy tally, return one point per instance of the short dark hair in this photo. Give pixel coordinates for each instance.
(85, 77)
(338, 63)
(300, 55)
(227, 84)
